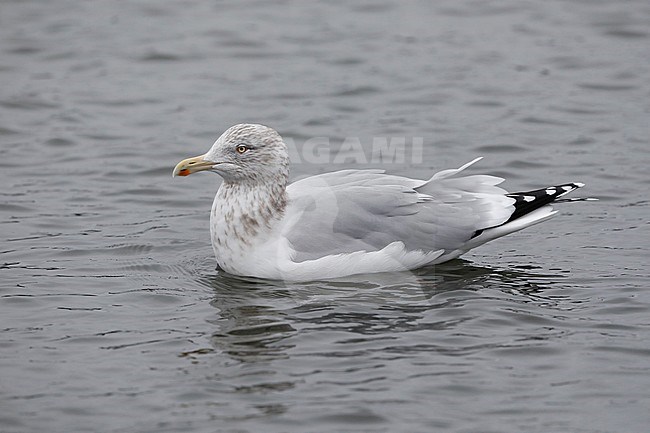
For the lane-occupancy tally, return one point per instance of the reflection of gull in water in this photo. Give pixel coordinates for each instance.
(351, 221)
(257, 318)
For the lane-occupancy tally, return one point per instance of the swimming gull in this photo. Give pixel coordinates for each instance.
(350, 221)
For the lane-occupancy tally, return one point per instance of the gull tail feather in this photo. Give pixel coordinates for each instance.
(530, 208)
(535, 217)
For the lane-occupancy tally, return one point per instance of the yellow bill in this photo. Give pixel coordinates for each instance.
(192, 165)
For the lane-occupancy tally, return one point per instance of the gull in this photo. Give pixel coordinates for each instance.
(349, 222)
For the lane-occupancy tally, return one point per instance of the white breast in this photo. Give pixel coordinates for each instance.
(242, 231)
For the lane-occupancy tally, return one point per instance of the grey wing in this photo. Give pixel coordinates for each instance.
(365, 210)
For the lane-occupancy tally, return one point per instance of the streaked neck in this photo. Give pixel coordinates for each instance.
(247, 211)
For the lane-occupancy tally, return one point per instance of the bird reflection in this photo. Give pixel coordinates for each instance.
(261, 319)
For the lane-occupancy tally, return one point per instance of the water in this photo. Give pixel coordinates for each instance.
(114, 319)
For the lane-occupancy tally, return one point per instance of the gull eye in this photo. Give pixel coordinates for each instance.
(241, 149)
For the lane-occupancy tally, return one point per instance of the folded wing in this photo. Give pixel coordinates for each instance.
(366, 210)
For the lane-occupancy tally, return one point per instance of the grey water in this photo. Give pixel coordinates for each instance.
(113, 317)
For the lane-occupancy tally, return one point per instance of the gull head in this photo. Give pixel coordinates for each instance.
(245, 153)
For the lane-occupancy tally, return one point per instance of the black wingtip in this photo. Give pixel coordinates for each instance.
(528, 201)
